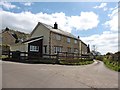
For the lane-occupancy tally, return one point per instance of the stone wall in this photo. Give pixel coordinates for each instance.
(63, 43)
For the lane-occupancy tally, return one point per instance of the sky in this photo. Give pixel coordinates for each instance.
(95, 22)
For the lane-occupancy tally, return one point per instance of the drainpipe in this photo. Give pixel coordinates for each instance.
(78, 46)
(50, 43)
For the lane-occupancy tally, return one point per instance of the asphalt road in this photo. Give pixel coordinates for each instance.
(96, 75)
(0, 74)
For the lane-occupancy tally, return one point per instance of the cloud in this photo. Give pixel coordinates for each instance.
(113, 22)
(84, 21)
(27, 3)
(106, 42)
(102, 5)
(8, 5)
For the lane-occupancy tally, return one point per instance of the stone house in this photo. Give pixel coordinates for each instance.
(10, 37)
(46, 39)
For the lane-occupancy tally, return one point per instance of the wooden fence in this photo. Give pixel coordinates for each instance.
(56, 58)
(72, 57)
(66, 55)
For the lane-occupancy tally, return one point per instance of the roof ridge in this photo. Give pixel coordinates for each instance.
(62, 31)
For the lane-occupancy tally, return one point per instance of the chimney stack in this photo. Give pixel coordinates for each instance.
(55, 26)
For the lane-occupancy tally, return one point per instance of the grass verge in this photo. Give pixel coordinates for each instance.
(114, 65)
(83, 62)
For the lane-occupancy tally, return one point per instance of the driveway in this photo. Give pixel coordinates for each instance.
(19, 75)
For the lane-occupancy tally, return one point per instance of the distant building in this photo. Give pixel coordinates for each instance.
(10, 37)
(46, 39)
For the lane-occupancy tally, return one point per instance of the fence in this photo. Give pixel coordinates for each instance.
(72, 57)
(66, 55)
(56, 58)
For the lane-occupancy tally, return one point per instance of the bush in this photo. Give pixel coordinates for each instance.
(99, 58)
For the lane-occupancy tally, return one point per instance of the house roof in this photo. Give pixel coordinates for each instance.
(58, 31)
(33, 39)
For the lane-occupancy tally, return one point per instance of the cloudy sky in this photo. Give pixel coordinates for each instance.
(95, 22)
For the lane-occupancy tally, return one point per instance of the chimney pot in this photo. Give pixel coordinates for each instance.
(55, 25)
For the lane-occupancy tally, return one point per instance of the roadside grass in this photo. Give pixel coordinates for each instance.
(78, 62)
(114, 65)
(3, 56)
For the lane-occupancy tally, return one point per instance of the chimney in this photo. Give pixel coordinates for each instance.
(6, 29)
(55, 26)
(78, 37)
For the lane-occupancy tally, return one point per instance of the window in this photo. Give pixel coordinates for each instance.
(34, 48)
(68, 40)
(57, 49)
(69, 50)
(45, 48)
(75, 41)
(75, 50)
(58, 37)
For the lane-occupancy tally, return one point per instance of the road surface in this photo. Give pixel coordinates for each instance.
(19, 75)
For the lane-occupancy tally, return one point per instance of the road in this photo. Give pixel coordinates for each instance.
(96, 75)
(0, 74)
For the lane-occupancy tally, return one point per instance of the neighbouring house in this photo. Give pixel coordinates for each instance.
(45, 39)
(113, 56)
(7, 38)
(10, 37)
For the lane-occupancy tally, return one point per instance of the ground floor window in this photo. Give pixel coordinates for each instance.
(57, 49)
(75, 50)
(34, 48)
(69, 50)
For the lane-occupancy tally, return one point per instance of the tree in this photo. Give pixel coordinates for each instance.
(108, 53)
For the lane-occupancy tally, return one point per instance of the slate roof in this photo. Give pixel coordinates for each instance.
(59, 31)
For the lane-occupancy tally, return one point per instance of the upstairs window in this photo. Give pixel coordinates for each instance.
(58, 37)
(68, 40)
(75, 41)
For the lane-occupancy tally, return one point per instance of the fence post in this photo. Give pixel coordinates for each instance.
(57, 58)
(66, 55)
(73, 55)
(9, 54)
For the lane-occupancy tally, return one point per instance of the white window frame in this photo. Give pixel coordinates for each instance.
(57, 49)
(34, 48)
(68, 40)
